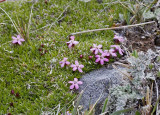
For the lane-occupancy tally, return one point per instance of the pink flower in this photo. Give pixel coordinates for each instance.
(96, 49)
(17, 39)
(117, 48)
(106, 52)
(101, 58)
(77, 66)
(110, 52)
(118, 39)
(72, 43)
(75, 83)
(64, 62)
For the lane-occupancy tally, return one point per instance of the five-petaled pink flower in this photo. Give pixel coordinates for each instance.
(110, 52)
(96, 49)
(64, 62)
(118, 39)
(101, 58)
(17, 39)
(72, 42)
(77, 66)
(75, 83)
(106, 52)
(117, 48)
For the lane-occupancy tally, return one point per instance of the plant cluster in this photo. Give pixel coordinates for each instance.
(127, 95)
(100, 55)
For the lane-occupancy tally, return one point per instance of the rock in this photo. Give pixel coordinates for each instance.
(97, 82)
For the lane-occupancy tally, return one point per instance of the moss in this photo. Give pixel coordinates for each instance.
(27, 71)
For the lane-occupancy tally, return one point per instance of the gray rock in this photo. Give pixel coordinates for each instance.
(97, 83)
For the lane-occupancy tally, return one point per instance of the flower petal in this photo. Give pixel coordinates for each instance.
(76, 86)
(72, 37)
(75, 79)
(97, 60)
(92, 49)
(105, 59)
(14, 38)
(19, 42)
(102, 62)
(75, 68)
(67, 62)
(64, 59)
(75, 42)
(94, 45)
(121, 51)
(99, 46)
(97, 56)
(96, 51)
(18, 36)
(73, 65)
(71, 82)
(70, 45)
(62, 65)
(100, 50)
(81, 66)
(14, 41)
(72, 86)
(80, 82)
(114, 54)
(80, 70)
(76, 62)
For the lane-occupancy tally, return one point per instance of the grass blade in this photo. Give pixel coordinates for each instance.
(104, 106)
(137, 113)
(78, 101)
(121, 111)
(154, 109)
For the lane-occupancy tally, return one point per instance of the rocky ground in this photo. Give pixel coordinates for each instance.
(101, 83)
(117, 81)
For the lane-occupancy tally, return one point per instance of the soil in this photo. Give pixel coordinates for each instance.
(142, 38)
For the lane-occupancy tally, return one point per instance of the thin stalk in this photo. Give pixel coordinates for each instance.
(57, 18)
(10, 19)
(29, 23)
(113, 28)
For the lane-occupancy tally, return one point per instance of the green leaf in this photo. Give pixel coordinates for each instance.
(105, 104)
(154, 109)
(137, 113)
(64, 110)
(135, 54)
(121, 111)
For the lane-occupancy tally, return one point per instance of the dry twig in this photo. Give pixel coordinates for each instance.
(113, 28)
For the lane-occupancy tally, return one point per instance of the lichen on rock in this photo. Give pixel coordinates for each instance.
(126, 95)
